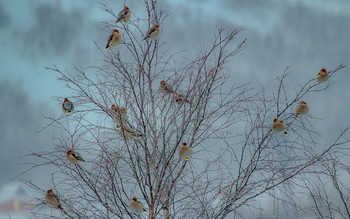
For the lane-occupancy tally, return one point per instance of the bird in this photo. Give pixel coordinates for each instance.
(119, 115)
(278, 126)
(302, 109)
(180, 99)
(52, 200)
(67, 106)
(152, 32)
(73, 156)
(136, 206)
(127, 133)
(323, 75)
(124, 15)
(185, 151)
(165, 88)
(114, 39)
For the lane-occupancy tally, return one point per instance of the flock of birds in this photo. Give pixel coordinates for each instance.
(124, 15)
(120, 117)
(302, 108)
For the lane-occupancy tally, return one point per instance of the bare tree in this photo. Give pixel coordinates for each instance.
(237, 157)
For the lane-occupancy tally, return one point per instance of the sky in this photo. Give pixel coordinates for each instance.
(305, 35)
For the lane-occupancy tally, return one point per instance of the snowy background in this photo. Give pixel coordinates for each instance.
(305, 35)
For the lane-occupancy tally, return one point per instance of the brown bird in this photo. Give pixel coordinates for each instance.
(278, 126)
(323, 75)
(165, 88)
(302, 109)
(67, 106)
(185, 151)
(52, 200)
(152, 32)
(73, 157)
(127, 133)
(180, 99)
(119, 115)
(124, 15)
(136, 206)
(114, 39)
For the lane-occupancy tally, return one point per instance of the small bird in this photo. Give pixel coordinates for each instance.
(119, 115)
(185, 151)
(124, 15)
(323, 75)
(127, 132)
(52, 200)
(180, 99)
(302, 109)
(165, 88)
(73, 157)
(115, 39)
(278, 126)
(136, 206)
(67, 106)
(152, 32)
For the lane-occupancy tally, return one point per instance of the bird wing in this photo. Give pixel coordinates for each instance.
(55, 197)
(121, 15)
(150, 31)
(168, 88)
(110, 39)
(78, 156)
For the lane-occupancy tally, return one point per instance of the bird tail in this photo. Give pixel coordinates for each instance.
(297, 117)
(285, 133)
(107, 46)
(146, 38)
(186, 159)
(60, 207)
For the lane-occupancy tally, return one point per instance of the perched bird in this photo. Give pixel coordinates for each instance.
(165, 88)
(185, 151)
(73, 157)
(114, 39)
(52, 200)
(180, 99)
(124, 15)
(127, 132)
(119, 115)
(323, 75)
(67, 106)
(278, 126)
(152, 32)
(136, 206)
(302, 109)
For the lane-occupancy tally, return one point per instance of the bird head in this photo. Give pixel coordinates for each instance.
(115, 31)
(70, 151)
(66, 100)
(323, 69)
(184, 144)
(126, 8)
(134, 198)
(49, 191)
(114, 107)
(162, 82)
(302, 102)
(275, 119)
(156, 25)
